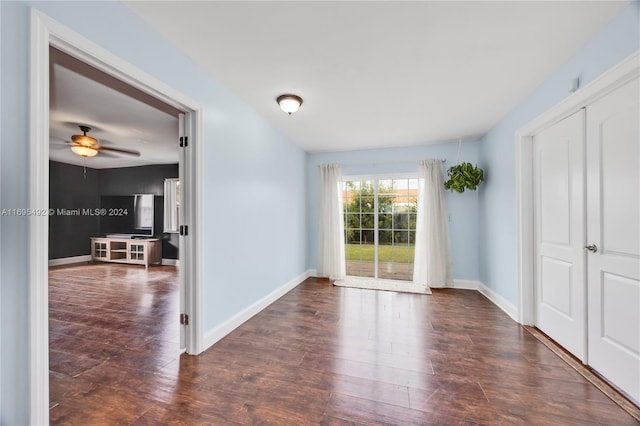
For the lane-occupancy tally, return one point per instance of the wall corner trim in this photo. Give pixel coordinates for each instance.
(502, 303)
(218, 332)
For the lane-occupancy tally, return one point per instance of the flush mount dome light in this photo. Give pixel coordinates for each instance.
(289, 103)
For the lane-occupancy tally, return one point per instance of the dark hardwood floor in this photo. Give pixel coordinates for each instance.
(319, 355)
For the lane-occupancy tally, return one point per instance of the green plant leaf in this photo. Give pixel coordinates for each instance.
(464, 176)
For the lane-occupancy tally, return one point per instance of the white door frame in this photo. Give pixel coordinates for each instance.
(617, 76)
(47, 32)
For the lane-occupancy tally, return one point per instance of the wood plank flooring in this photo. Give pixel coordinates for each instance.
(319, 355)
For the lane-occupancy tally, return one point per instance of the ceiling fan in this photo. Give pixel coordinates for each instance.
(86, 146)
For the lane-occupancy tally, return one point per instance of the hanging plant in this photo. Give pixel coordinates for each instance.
(464, 176)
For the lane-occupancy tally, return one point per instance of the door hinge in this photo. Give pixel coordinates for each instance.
(184, 230)
(184, 141)
(184, 319)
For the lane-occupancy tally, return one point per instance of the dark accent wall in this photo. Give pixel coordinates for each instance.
(144, 180)
(68, 189)
(136, 180)
(71, 189)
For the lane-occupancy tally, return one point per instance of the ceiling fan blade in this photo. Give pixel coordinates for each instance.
(107, 154)
(122, 151)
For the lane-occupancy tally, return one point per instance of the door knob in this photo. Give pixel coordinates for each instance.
(592, 248)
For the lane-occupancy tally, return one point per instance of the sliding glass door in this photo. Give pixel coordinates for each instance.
(380, 227)
(359, 201)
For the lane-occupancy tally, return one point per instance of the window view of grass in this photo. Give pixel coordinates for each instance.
(401, 254)
(382, 211)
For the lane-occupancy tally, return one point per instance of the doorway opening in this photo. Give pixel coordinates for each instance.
(47, 33)
(114, 288)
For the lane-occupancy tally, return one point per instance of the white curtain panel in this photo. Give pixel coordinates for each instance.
(432, 264)
(331, 262)
(170, 203)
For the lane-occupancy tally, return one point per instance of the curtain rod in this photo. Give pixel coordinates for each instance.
(444, 160)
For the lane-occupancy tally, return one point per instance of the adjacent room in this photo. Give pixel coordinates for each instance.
(320, 212)
(114, 286)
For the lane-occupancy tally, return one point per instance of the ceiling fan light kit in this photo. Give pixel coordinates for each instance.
(84, 151)
(83, 139)
(86, 146)
(289, 103)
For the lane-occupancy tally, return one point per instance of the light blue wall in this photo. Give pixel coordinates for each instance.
(260, 203)
(498, 258)
(14, 178)
(463, 208)
(254, 181)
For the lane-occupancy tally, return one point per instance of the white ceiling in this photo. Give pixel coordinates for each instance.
(119, 115)
(385, 73)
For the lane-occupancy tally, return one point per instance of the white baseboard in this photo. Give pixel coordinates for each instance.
(218, 332)
(502, 303)
(70, 260)
(466, 284)
(313, 273)
(87, 258)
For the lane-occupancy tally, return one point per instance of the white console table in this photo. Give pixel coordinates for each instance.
(142, 251)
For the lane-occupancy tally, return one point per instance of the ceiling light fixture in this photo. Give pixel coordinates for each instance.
(289, 103)
(86, 146)
(84, 151)
(83, 139)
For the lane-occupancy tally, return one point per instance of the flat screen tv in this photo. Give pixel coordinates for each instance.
(127, 214)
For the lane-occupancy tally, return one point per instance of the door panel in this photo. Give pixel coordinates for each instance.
(613, 201)
(619, 308)
(556, 284)
(554, 188)
(619, 180)
(559, 229)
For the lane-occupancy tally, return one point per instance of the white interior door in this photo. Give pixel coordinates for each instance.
(559, 229)
(613, 200)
